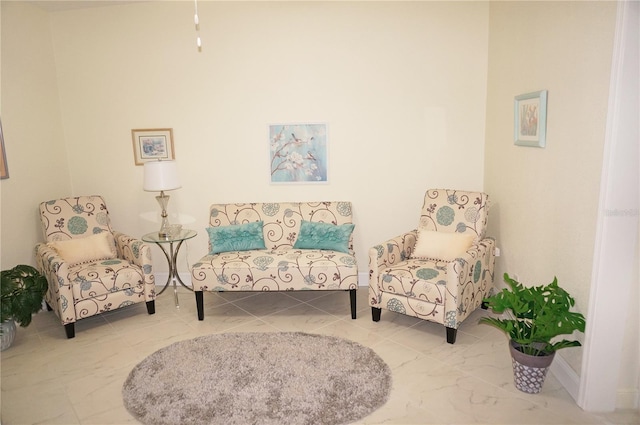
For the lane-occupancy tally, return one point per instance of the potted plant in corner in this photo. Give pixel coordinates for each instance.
(23, 289)
(536, 316)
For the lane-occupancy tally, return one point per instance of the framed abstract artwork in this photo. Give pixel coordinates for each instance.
(298, 153)
(530, 119)
(152, 144)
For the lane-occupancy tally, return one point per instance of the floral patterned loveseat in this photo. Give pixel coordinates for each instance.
(287, 246)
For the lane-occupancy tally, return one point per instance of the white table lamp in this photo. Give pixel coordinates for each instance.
(161, 176)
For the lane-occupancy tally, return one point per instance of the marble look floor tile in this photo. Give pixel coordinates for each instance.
(266, 303)
(299, 318)
(97, 398)
(79, 380)
(222, 319)
(53, 406)
(336, 302)
(306, 296)
(231, 296)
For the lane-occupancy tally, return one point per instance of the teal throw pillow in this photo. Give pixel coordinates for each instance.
(324, 236)
(236, 237)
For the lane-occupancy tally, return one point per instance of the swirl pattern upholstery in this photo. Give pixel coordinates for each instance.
(280, 266)
(441, 291)
(83, 289)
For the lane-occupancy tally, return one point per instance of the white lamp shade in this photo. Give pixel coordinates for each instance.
(160, 175)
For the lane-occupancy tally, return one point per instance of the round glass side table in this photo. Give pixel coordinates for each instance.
(172, 256)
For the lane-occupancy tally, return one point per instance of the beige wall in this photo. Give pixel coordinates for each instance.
(547, 199)
(33, 136)
(397, 100)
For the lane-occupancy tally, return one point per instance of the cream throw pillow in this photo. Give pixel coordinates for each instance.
(95, 247)
(441, 245)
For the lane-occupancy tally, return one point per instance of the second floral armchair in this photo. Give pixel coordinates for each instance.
(440, 271)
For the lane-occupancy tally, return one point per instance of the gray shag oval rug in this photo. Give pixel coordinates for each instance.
(258, 378)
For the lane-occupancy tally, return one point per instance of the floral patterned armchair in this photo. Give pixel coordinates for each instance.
(90, 268)
(440, 271)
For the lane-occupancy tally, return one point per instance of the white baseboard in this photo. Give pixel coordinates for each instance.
(625, 398)
(566, 375)
(628, 399)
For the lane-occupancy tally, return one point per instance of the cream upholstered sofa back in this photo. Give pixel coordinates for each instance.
(281, 220)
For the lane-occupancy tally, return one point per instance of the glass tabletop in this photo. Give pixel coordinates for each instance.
(183, 235)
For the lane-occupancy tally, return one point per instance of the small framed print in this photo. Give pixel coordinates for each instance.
(530, 119)
(152, 144)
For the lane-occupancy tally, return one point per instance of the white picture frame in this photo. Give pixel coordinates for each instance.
(530, 119)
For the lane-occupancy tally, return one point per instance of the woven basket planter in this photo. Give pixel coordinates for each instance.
(529, 371)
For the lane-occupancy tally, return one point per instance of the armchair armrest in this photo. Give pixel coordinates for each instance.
(137, 252)
(133, 250)
(469, 280)
(59, 294)
(392, 251)
(386, 254)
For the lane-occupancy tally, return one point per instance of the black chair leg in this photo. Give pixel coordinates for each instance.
(375, 314)
(200, 304)
(70, 329)
(151, 307)
(352, 297)
(451, 335)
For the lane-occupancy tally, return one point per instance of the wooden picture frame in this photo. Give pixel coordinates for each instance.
(152, 144)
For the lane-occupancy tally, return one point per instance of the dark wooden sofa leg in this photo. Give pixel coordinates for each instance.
(375, 314)
(49, 308)
(200, 304)
(151, 307)
(352, 297)
(451, 335)
(70, 329)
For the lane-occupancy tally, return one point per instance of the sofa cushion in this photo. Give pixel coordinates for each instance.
(416, 278)
(275, 270)
(324, 236)
(236, 237)
(100, 278)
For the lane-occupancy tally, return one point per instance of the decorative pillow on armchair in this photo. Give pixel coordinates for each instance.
(236, 237)
(441, 245)
(329, 236)
(100, 246)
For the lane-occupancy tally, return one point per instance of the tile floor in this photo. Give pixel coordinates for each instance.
(47, 379)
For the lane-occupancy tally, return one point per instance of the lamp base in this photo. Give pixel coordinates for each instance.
(163, 200)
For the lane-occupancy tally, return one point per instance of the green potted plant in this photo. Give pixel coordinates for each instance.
(536, 315)
(23, 289)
